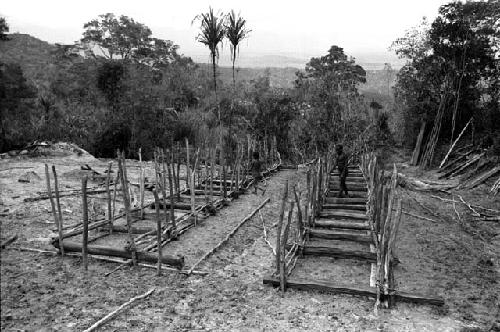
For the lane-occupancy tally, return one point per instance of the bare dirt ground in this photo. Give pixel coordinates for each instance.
(457, 259)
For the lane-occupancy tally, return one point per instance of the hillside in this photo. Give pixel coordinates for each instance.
(32, 54)
(35, 57)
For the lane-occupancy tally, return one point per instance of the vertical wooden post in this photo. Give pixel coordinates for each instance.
(283, 267)
(171, 187)
(85, 224)
(280, 225)
(163, 184)
(108, 195)
(141, 185)
(158, 229)
(126, 200)
(175, 174)
(212, 159)
(59, 212)
(300, 224)
(115, 191)
(224, 179)
(191, 187)
(179, 172)
(188, 163)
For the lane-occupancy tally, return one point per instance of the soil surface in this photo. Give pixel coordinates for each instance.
(457, 258)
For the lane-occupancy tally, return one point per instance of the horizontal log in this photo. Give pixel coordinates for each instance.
(335, 235)
(350, 187)
(328, 251)
(349, 180)
(352, 194)
(357, 207)
(202, 192)
(69, 246)
(177, 206)
(133, 229)
(349, 200)
(344, 214)
(341, 224)
(371, 292)
(353, 175)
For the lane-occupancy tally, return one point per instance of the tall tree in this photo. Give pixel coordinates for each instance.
(236, 31)
(212, 32)
(121, 36)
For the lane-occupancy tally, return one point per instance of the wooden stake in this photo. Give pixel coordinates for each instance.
(108, 196)
(58, 203)
(85, 224)
(163, 184)
(280, 225)
(158, 228)
(171, 188)
(52, 204)
(141, 185)
(126, 200)
(283, 271)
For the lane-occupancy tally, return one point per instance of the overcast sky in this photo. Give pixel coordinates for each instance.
(296, 28)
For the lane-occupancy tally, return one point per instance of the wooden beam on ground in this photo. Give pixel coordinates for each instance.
(351, 187)
(357, 207)
(352, 194)
(229, 235)
(118, 252)
(329, 251)
(342, 224)
(343, 214)
(371, 292)
(349, 200)
(333, 235)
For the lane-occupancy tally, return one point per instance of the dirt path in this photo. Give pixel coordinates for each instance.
(39, 292)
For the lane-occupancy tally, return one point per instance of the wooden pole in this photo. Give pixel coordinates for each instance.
(126, 200)
(116, 312)
(178, 171)
(52, 204)
(58, 203)
(283, 271)
(108, 196)
(158, 228)
(212, 159)
(300, 225)
(280, 224)
(163, 185)
(174, 179)
(85, 224)
(113, 209)
(171, 188)
(141, 185)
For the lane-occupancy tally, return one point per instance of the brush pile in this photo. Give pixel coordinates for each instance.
(472, 165)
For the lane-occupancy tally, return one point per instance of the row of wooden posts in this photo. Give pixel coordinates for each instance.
(384, 217)
(308, 204)
(167, 165)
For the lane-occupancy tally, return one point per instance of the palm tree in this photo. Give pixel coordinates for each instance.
(212, 32)
(236, 31)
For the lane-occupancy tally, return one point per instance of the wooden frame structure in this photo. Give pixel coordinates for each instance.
(372, 218)
(207, 189)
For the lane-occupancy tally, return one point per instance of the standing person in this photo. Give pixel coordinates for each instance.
(342, 163)
(256, 169)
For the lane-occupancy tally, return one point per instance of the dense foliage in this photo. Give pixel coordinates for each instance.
(452, 63)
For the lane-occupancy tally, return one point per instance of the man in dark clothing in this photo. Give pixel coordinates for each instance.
(342, 163)
(256, 169)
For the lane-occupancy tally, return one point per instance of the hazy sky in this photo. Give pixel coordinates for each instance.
(296, 28)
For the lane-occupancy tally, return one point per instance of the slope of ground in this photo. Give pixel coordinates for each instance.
(43, 292)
